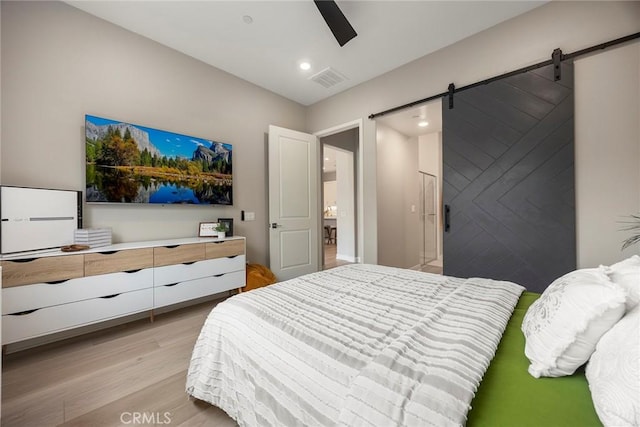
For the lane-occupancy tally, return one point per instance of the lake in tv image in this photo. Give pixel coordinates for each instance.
(128, 163)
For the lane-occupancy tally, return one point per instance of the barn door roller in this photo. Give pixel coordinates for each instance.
(557, 58)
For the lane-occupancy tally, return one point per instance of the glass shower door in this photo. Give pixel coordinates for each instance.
(428, 218)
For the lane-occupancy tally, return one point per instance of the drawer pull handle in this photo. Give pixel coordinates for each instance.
(232, 256)
(110, 296)
(219, 243)
(57, 282)
(108, 252)
(189, 263)
(23, 313)
(219, 275)
(23, 260)
(132, 271)
(172, 246)
(171, 284)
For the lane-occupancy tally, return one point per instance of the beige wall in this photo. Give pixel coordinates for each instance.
(429, 152)
(522, 41)
(608, 153)
(59, 63)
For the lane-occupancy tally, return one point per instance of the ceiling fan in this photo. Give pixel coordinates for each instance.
(337, 22)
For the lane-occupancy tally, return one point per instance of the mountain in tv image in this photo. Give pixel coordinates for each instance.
(127, 163)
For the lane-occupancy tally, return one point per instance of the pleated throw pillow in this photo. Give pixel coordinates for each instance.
(613, 373)
(563, 326)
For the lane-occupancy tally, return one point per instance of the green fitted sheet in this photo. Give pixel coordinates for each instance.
(509, 397)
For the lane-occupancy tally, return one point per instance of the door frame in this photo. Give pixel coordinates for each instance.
(358, 123)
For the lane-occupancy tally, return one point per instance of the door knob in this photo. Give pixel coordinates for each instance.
(275, 225)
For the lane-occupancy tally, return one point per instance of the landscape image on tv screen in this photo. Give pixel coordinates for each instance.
(128, 163)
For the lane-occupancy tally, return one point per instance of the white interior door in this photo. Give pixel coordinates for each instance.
(293, 203)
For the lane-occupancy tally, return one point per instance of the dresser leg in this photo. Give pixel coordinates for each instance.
(151, 316)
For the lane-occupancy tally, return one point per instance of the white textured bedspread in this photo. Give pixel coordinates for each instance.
(358, 345)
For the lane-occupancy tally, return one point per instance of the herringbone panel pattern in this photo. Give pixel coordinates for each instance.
(508, 176)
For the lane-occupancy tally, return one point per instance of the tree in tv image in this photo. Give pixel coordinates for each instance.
(129, 163)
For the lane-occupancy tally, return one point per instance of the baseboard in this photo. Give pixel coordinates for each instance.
(436, 262)
(346, 258)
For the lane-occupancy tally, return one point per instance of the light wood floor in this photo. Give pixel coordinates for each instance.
(330, 260)
(105, 378)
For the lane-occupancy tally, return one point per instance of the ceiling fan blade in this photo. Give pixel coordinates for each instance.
(335, 19)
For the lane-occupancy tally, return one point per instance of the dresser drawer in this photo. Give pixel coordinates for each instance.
(40, 295)
(190, 289)
(41, 270)
(114, 261)
(230, 263)
(62, 317)
(224, 248)
(197, 270)
(178, 254)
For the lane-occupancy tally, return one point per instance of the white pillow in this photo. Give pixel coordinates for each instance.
(563, 326)
(627, 274)
(613, 373)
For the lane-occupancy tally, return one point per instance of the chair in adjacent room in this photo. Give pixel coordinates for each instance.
(329, 235)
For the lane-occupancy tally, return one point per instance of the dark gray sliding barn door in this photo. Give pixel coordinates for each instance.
(508, 179)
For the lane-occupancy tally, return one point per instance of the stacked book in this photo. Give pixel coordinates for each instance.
(92, 237)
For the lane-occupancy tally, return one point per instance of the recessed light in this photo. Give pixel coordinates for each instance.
(305, 66)
(247, 19)
(423, 124)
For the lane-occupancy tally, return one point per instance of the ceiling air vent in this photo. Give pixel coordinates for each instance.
(328, 77)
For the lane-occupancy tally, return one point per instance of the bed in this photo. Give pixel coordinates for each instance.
(366, 345)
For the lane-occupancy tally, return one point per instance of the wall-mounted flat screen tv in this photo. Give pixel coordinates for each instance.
(128, 163)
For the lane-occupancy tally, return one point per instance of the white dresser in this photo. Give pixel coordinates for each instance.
(55, 291)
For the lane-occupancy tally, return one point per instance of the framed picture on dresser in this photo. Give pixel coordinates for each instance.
(207, 229)
(228, 223)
